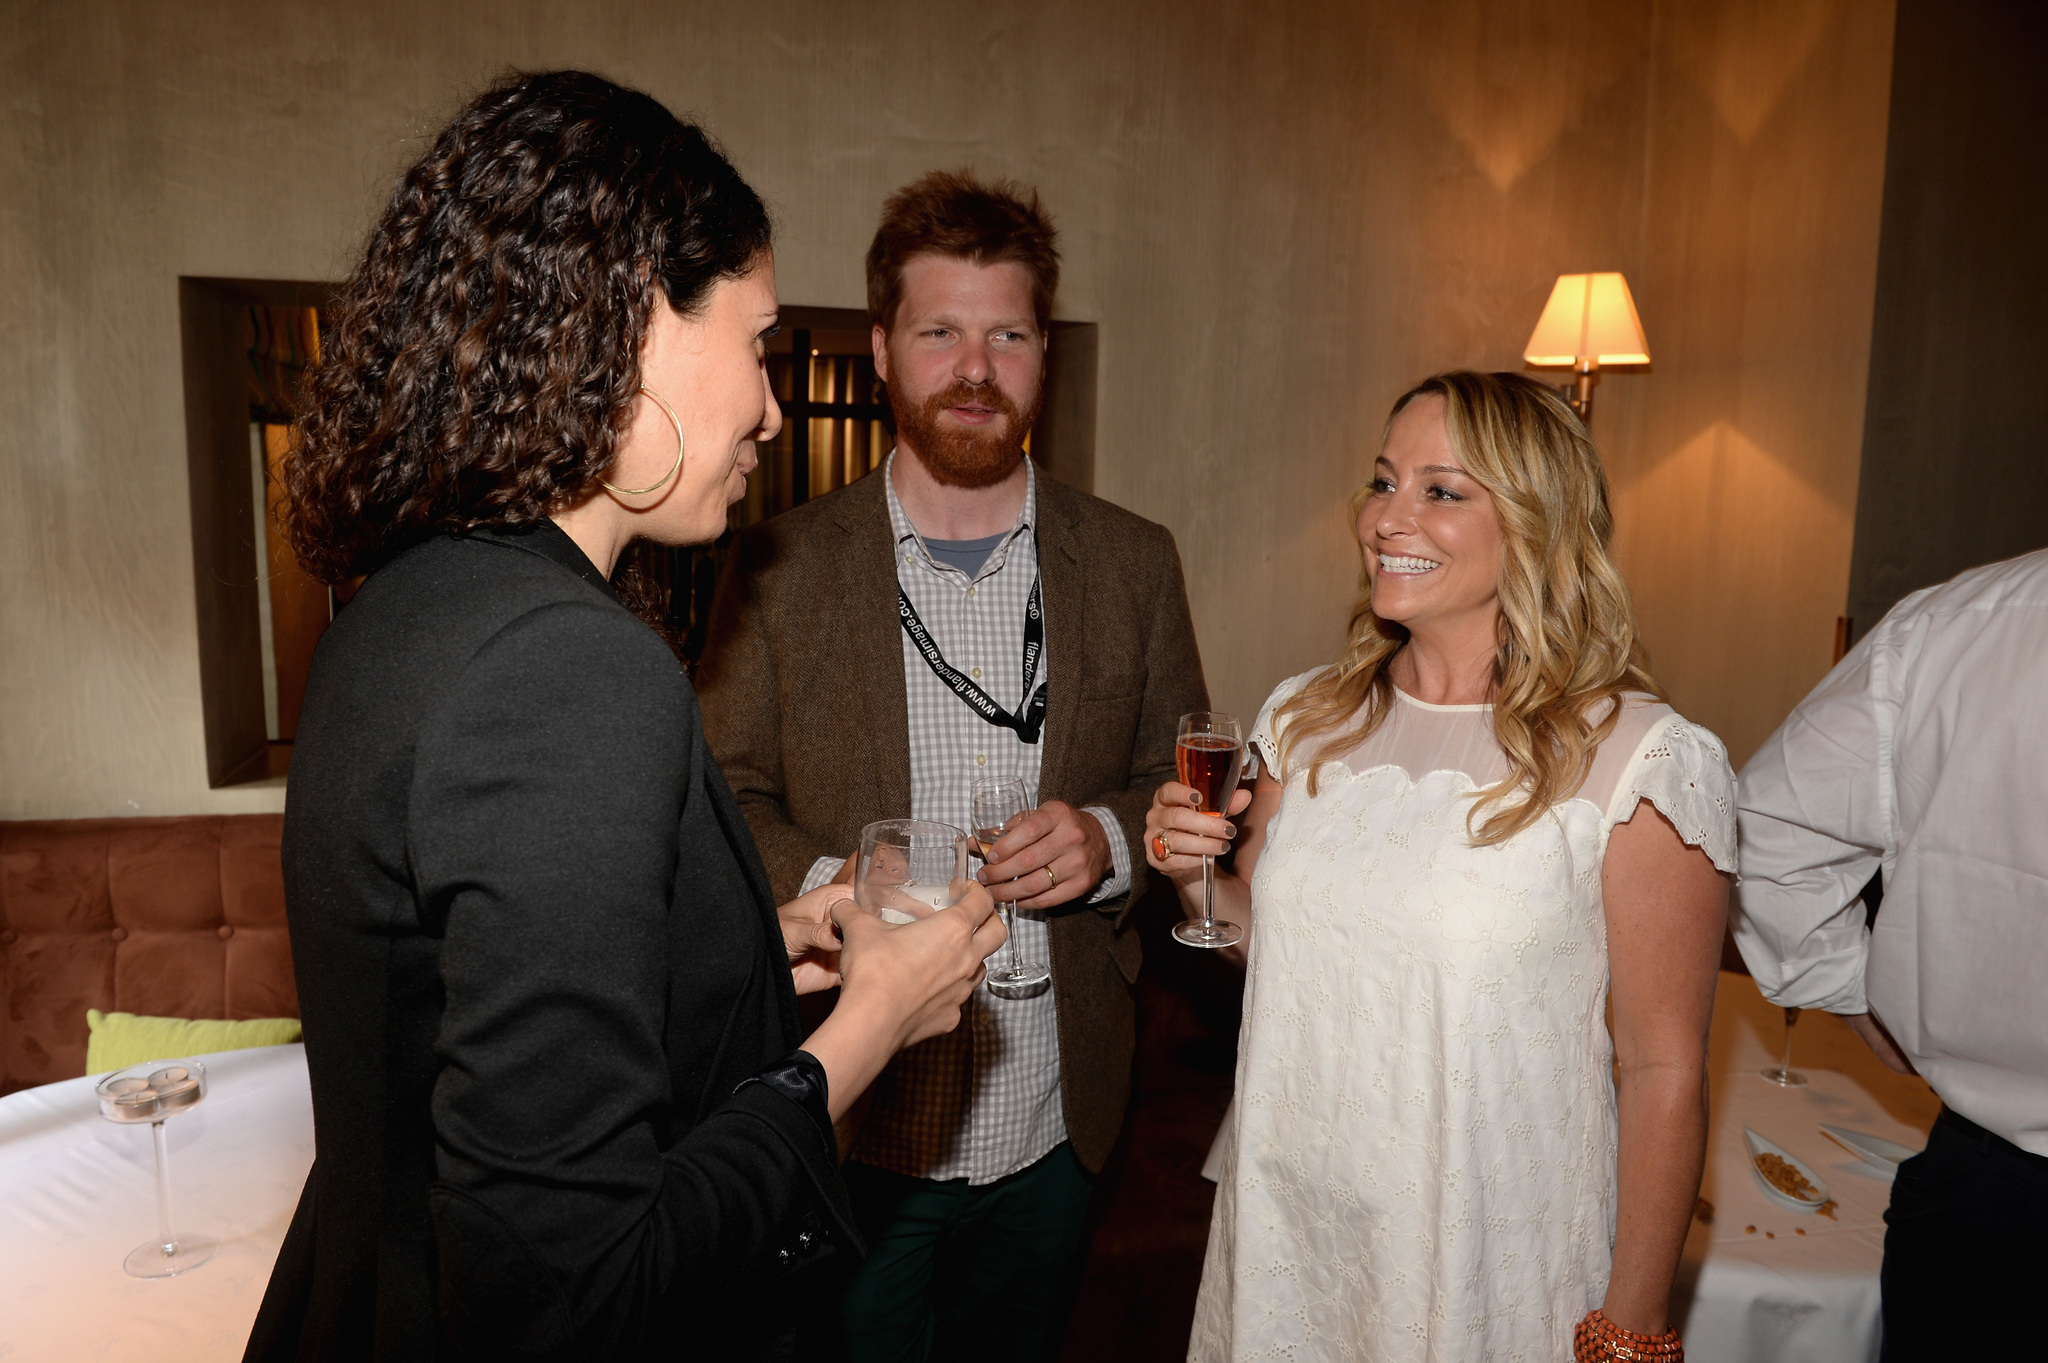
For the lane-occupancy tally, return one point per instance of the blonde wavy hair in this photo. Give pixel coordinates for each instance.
(1568, 649)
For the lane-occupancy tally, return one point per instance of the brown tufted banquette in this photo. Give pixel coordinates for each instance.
(175, 917)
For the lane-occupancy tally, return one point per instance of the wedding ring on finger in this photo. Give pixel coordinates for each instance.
(1051, 877)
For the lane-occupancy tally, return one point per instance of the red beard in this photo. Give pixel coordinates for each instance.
(963, 456)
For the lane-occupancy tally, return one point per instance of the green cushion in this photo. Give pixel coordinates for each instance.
(119, 1040)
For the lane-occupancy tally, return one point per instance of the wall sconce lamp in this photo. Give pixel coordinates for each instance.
(1589, 321)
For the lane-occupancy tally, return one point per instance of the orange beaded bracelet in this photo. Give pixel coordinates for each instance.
(1597, 1339)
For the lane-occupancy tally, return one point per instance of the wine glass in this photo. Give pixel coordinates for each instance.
(910, 869)
(999, 801)
(1782, 1073)
(1209, 751)
(153, 1092)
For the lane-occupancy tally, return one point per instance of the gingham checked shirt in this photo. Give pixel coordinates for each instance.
(982, 1101)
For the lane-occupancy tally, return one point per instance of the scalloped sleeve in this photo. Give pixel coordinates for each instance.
(1683, 770)
(1262, 744)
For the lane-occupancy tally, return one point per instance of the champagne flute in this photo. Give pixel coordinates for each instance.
(1209, 751)
(1782, 1073)
(909, 869)
(151, 1092)
(999, 801)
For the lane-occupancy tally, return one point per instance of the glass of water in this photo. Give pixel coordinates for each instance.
(910, 869)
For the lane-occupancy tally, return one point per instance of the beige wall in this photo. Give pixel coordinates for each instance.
(1735, 462)
(1278, 214)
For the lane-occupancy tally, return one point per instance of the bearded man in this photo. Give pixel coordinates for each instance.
(873, 654)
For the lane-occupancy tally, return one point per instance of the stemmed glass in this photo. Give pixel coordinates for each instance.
(152, 1092)
(999, 801)
(1209, 751)
(910, 869)
(1782, 1073)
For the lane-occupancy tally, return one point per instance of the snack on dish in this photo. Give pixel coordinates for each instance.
(1780, 1174)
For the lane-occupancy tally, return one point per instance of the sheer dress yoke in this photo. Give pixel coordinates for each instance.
(1419, 738)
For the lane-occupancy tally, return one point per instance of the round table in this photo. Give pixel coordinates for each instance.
(1752, 1288)
(78, 1192)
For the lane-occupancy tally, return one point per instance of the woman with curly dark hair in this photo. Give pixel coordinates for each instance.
(550, 1008)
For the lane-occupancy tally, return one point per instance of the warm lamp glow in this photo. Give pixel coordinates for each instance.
(1589, 318)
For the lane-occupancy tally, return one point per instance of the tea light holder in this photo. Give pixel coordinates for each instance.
(153, 1092)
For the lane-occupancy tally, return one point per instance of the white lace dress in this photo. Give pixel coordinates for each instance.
(1420, 1164)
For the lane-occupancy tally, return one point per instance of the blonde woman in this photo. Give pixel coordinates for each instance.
(1464, 838)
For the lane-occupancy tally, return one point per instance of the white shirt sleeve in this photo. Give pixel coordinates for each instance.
(1813, 816)
(821, 873)
(1119, 878)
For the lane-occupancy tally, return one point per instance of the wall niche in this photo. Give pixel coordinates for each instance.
(248, 344)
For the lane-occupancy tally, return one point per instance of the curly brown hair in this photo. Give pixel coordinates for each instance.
(480, 364)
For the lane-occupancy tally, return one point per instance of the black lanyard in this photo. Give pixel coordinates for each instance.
(1032, 719)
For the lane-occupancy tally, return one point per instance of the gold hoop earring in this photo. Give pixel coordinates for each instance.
(674, 421)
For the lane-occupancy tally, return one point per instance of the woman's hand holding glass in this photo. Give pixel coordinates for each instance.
(1179, 833)
(811, 938)
(900, 983)
(916, 975)
(1181, 838)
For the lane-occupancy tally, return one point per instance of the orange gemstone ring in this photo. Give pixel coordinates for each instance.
(1159, 844)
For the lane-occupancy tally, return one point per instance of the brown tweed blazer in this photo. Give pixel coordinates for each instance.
(805, 709)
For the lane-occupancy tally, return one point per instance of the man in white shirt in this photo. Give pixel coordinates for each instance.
(1925, 753)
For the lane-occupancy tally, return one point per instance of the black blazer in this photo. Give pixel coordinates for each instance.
(537, 957)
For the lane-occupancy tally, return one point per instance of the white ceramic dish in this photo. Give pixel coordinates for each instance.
(1872, 1150)
(1758, 1145)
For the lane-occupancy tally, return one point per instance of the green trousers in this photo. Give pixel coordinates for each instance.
(961, 1272)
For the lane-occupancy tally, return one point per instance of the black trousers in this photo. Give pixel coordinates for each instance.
(964, 1274)
(1966, 1249)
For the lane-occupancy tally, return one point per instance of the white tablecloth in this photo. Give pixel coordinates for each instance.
(78, 1192)
(1772, 1295)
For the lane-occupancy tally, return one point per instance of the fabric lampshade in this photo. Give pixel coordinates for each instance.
(1589, 317)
